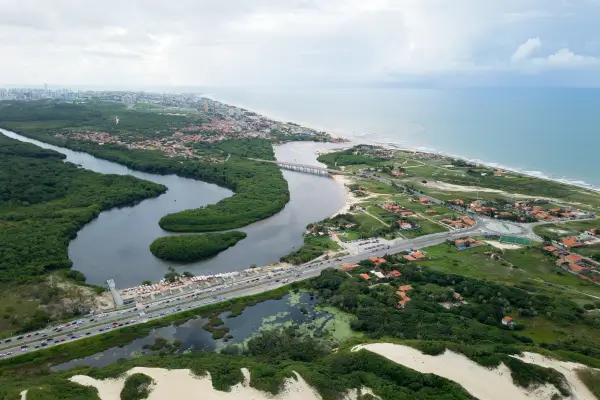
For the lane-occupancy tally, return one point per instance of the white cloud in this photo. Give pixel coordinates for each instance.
(526, 50)
(208, 42)
(565, 58)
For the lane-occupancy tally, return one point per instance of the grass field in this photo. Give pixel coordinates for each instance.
(427, 228)
(568, 228)
(367, 223)
(531, 266)
(589, 251)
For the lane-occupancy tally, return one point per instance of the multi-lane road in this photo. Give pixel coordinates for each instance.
(246, 285)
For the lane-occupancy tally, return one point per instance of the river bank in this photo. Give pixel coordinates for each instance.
(116, 244)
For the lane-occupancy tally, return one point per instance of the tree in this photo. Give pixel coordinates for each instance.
(187, 274)
(146, 282)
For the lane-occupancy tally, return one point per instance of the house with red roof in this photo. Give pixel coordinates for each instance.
(508, 321)
(570, 242)
(393, 274)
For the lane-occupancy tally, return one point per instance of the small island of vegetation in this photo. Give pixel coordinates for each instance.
(194, 247)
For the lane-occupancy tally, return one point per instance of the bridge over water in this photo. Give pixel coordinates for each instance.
(311, 169)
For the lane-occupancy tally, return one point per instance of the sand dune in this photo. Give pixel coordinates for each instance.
(481, 382)
(182, 384)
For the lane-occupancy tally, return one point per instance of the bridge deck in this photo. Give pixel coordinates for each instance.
(288, 164)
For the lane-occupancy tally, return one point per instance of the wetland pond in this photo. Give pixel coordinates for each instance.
(292, 309)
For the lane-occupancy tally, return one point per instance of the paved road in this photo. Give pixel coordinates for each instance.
(247, 285)
(243, 286)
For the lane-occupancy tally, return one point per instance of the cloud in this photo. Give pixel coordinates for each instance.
(279, 42)
(565, 58)
(525, 50)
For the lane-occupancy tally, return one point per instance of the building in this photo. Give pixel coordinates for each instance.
(394, 274)
(377, 260)
(366, 277)
(570, 242)
(508, 321)
(463, 244)
(349, 267)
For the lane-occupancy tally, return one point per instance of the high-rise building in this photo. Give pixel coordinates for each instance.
(206, 106)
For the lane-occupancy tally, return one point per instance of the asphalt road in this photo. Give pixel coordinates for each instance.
(56, 335)
(246, 285)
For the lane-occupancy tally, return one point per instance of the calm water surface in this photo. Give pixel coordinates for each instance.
(115, 245)
(551, 132)
(267, 314)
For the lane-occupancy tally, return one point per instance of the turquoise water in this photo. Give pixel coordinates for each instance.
(547, 132)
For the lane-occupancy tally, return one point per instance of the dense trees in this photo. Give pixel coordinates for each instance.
(260, 189)
(194, 247)
(137, 387)
(313, 247)
(44, 202)
(347, 157)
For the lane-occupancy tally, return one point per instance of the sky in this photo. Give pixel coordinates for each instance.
(300, 42)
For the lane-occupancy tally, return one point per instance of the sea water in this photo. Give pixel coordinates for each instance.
(547, 132)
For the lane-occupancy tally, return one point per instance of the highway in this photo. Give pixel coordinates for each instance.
(246, 285)
(93, 325)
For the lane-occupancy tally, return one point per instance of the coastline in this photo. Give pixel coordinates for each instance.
(363, 139)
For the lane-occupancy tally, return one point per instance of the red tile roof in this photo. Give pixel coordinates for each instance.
(570, 242)
(365, 276)
(573, 258)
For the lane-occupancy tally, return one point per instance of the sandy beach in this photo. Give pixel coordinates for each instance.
(483, 383)
(344, 181)
(182, 384)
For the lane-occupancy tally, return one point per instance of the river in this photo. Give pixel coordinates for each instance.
(115, 245)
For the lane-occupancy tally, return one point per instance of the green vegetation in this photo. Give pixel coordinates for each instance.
(347, 157)
(260, 189)
(419, 170)
(137, 387)
(313, 247)
(272, 357)
(57, 390)
(528, 267)
(591, 379)
(471, 328)
(43, 203)
(194, 247)
(563, 229)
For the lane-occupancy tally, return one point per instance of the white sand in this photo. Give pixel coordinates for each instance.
(182, 384)
(483, 383)
(578, 389)
(503, 246)
(351, 200)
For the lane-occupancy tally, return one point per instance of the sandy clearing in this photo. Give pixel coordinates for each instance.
(350, 198)
(483, 383)
(503, 246)
(182, 384)
(23, 395)
(449, 187)
(578, 389)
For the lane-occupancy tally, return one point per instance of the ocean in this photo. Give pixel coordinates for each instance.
(551, 133)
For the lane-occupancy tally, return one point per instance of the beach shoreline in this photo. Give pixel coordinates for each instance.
(363, 139)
